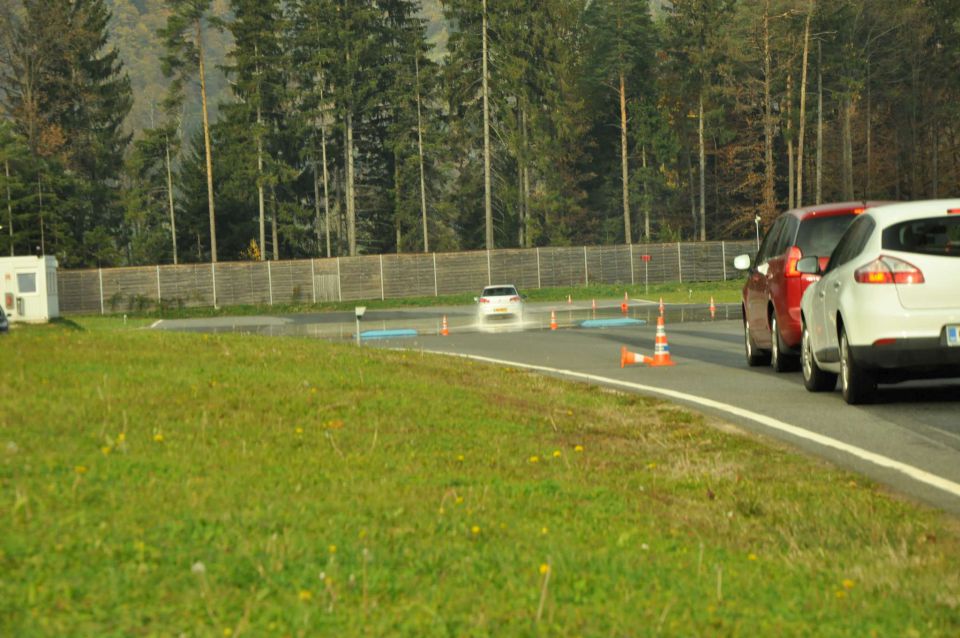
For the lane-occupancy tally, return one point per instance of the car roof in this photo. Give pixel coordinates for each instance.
(500, 286)
(833, 208)
(903, 211)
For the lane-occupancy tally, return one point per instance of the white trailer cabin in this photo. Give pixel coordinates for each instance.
(28, 288)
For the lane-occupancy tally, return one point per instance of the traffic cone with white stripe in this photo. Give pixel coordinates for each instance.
(624, 307)
(444, 330)
(628, 358)
(661, 306)
(553, 319)
(713, 309)
(661, 350)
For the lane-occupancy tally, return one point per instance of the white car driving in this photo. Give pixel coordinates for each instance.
(499, 301)
(887, 306)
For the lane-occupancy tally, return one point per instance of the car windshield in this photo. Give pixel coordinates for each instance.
(500, 291)
(936, 236)
(818, 236)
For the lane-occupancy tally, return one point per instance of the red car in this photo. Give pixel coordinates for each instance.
(771, 296)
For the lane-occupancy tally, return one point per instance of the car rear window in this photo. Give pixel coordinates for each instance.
(934, 236)
(499, 292)
(818, 236)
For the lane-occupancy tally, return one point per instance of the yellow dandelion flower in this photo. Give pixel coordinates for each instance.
(332, 549)
(578, 448)
(534, 459)
(752, 557)
(362, 534)
(569, 412)
(158, 437)
(299, 430)
(227, 631)
(651, 466)
(305, 595)
(841, 594)
(848, 584)
(313, 390)
(475, 530)
(459, 500)
(80, 469)
(106, 450)
(335, 424)
(556, 454)
(442, 510)
(544, 569)
(460, 458)
(121, 437)
(544, 531)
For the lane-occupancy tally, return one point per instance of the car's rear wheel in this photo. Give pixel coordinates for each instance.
(780, 360)
(755, 357)
(857, 384)
(814, 379)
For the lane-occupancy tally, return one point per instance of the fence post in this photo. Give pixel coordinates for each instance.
(381, 278)
(270, 281)
(313, 281)
(436, 291)
(586, 268)
(539, 285)
(100, 274)
(679, 264)
(159, 297)
(339, 288)
(723, 258)
(213, 278)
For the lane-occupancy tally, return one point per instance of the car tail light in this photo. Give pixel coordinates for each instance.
(792, 258)
(953, 211)
(888, 270)
(484, 300)
(514, 298)
(884, 342)
(858, 211)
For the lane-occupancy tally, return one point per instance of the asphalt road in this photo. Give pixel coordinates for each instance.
(909, 439)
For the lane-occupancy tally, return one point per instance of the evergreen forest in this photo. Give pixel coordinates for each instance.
(139, 132)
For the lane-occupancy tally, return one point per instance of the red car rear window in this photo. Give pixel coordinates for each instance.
(818, 236)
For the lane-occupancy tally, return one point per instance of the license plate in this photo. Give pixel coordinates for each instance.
(953, 336)
(499, 309)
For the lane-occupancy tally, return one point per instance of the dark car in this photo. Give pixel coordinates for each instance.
(4, 324)
(774, 287)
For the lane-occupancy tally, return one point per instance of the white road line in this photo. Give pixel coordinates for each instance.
(915, 473)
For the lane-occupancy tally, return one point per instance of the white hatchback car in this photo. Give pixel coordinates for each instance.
(887, 307)
(499, 301)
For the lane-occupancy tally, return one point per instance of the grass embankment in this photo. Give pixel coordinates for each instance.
(675, 292)
(178, 484)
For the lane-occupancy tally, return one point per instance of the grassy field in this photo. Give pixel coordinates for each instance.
(179, 484)
(675, 292)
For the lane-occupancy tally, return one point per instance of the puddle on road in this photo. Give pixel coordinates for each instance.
(534, 319)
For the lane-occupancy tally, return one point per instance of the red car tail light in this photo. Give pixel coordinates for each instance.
(888, 270)
(484, 300)
(792, 258)
(953, 211)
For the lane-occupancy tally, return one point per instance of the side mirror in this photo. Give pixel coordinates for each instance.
(476, 300)
(809, 266)
(741, 262)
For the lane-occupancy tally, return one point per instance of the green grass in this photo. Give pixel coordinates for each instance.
(180, 484)
(674, 292)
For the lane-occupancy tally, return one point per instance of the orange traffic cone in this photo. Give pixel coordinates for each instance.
(444, 330)
(661, 351)
(713, 309)
(628, 358)
(661, 306)
(625, 305)
(553, 320)
(569, 299)
(594, 304)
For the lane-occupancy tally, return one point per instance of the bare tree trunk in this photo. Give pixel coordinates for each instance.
(646, 195)
(935, 186)
(423, 181)
(487, 197)
(847, 149)
(173, 219)
(326, 179)
(206, 146)
(803, 103)
(868, 186)
(6, 168)
(351, 203)
(396, 200)
(521, 217)
(819, 193)
(791, 195)
(703, 175)
(260, 202)
(525, 186)
(273, 224)
(316, 203)
(624, 163)
(769, 171)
